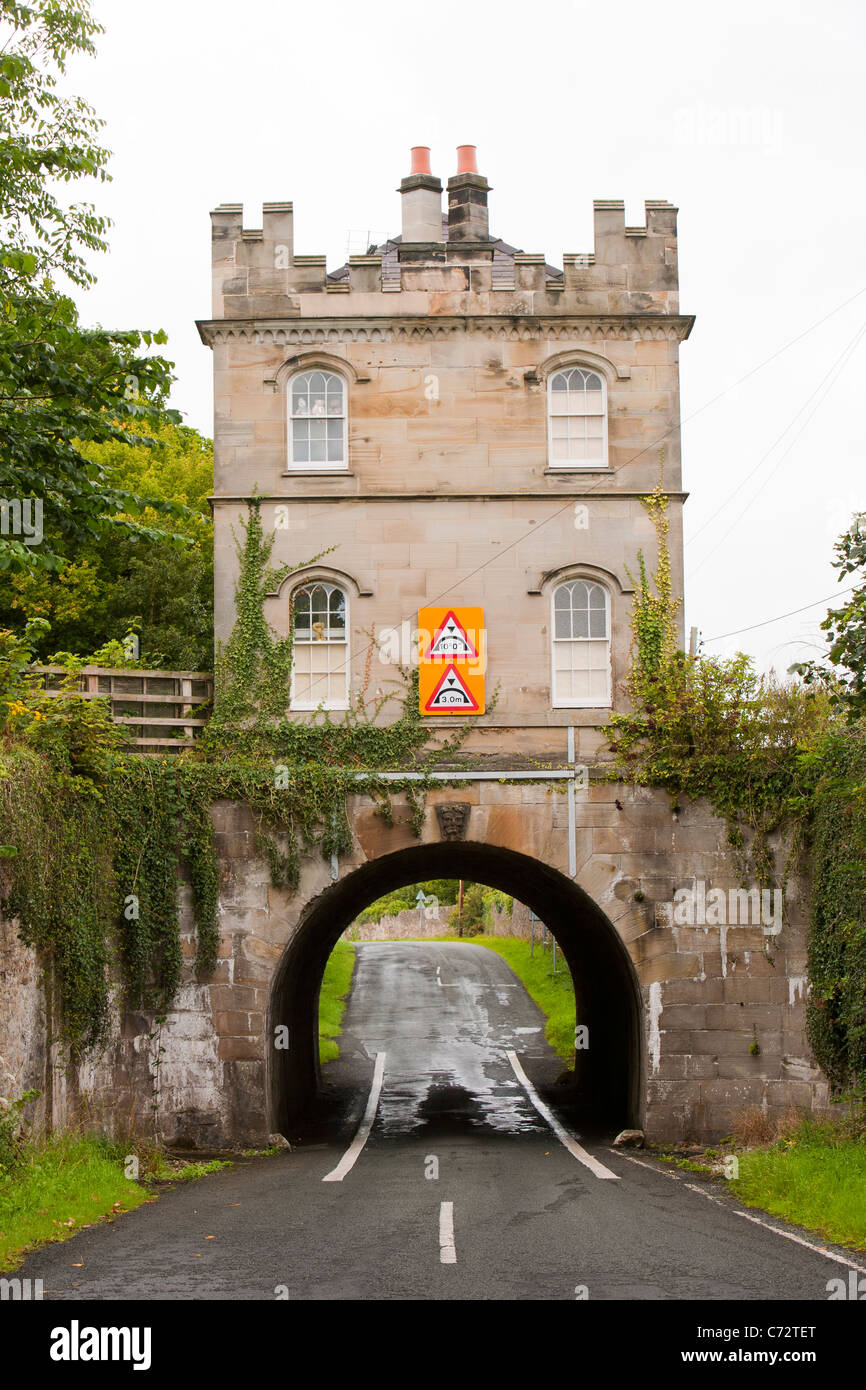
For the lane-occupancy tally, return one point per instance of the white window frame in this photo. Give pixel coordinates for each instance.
(571, 702)
(577, 464)
(329, 643)
(324, 465)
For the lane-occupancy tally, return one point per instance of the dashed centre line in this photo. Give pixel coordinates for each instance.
(447, 1248)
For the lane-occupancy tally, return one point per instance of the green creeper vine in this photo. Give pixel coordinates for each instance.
(768, 756)
(654, 613)
(93, 839)
(711, 727)
(836, 1011)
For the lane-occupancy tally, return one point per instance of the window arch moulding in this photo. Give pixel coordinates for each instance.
(619, 585)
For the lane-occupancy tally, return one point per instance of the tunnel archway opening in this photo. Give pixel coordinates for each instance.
(607, 1092)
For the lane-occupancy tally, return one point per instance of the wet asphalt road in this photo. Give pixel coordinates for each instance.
(529, 1220)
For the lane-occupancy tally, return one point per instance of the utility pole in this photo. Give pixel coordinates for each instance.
(460, 907)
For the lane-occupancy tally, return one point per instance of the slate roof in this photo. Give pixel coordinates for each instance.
(503, 261)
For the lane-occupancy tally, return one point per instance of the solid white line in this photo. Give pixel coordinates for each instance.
(347, 1162)
(447, 1248)
(665, 1172)
(786, 1235)
(726, 1206)
(562, 1134)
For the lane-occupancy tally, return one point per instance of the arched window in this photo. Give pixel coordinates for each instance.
(580, 624)
(577, 415)
(320, 665)
(317, 420)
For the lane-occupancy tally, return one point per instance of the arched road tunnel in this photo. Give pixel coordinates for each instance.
(607, 1091)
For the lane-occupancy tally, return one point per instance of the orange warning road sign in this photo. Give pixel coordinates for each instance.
(450, 639)
(451, 694)
(451, 660)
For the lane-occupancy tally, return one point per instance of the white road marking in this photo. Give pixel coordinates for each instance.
(447, 1248)
(786, 1235)
(527, 1030)
(665, 1172)
(561, 1133)
(347, 1162)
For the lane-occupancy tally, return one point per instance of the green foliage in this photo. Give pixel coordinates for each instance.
(654, 609)
(845, 677)
(47, 140)
(712, 727)
(59, 885)
(815, 1177)
(65, 1182)
(62, 386)
(13, 1131)
(111, 585)
(336, 984)
(479, 902)
(836, 1011)
(768, 755)
(252, 673)
(94, 839)
(443, 889)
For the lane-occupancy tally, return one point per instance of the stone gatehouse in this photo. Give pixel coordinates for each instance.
(456, 421)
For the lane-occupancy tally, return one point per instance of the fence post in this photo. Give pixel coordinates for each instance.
(186, 689)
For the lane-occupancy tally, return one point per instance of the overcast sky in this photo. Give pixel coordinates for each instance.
(748, 116)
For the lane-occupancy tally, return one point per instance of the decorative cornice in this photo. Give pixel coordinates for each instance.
(439, 496)
(424, 328)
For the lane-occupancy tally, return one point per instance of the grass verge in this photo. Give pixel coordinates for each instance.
(69, 1180)
(815, 1178)
(336, 983)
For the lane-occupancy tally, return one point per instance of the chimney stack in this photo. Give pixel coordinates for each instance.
(467, 200)
(421, 196)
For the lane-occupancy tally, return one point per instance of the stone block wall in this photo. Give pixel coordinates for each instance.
(708, 995)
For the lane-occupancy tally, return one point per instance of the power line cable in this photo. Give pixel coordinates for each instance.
(691, 540)
(648, 448)
(778, 619)
(838, 367)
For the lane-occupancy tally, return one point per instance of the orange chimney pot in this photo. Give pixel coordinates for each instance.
(420, 159)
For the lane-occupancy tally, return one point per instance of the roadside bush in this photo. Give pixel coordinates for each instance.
(13, 1132)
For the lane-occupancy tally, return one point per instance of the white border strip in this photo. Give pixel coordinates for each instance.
(347, 1162)
(786, 1235)
(562, 1134)
(447, 1248)
(734, 1211)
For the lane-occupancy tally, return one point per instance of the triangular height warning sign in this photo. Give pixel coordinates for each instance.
(451, 693)
(451, 639)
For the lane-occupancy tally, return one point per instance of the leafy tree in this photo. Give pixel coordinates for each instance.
(846, 630)
(443, 889)
(114, 585)
(62, 386)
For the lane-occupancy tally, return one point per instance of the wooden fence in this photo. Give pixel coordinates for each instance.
(163, 709)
